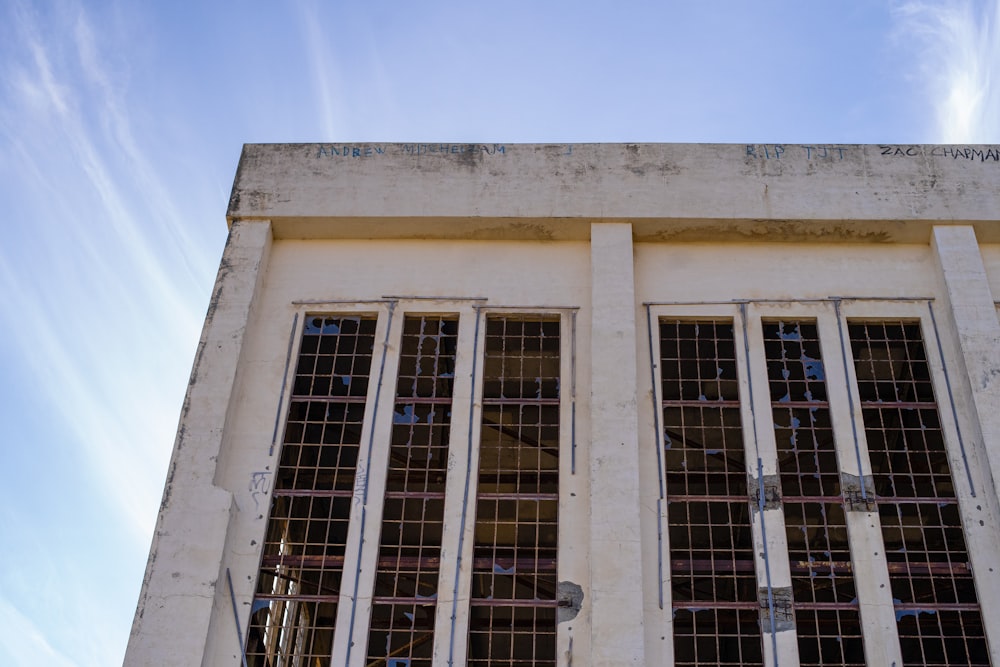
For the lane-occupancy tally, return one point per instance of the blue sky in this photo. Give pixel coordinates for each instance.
(121, 125)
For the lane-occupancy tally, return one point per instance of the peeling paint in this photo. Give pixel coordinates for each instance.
(851, 486)
(772, 492)
(570, 598)
(784, 615)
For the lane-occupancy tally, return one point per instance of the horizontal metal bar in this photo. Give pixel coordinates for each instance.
(428, 495)
(274, 597)
(828, 299)
(517, 496)
(409, 297)
(800, 404)
(930, 405)
(707, 565)
(328, 399)
(494, 602)
(521, 401)
(681, 498)
(313, 493)
(417, 602)
(698, 403)
(708, 605)
(423, 400)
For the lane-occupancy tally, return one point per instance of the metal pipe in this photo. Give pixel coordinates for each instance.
(236, 617)
(465, 494)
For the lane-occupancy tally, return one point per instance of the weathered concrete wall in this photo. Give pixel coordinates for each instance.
(668, 191)
(438, 228)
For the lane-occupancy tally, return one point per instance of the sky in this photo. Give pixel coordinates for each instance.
(121, 125)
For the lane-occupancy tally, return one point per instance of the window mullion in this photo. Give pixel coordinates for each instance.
(868, 560)
(774, 584)
(350, 636)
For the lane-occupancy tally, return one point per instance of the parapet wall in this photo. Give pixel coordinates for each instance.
(668, 191)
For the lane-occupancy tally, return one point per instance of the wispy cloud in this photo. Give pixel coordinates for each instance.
(958, 55)
(326, 75)
(25, 643)
(98, 293)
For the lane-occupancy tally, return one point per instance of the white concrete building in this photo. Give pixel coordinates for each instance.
(599, 404)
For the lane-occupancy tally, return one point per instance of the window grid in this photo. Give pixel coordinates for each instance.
(513, 607)
(714, 586)
(828, 623)
(298, 588)
(934, 595)
(406, 580)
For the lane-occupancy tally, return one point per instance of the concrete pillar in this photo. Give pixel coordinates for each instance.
(617, 635)
(182, 576)
(969, 311)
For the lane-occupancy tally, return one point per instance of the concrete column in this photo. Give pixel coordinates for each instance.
(182, 576)
(617, 636)
(969, 311)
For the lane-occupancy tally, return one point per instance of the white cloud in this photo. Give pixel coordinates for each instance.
(958, 43)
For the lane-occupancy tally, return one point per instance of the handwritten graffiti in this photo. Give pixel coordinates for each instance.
(775, 151)
(454, 149)
(260, 485)
(971, 153)
(360, 483)
(334, 151)
(329, 150)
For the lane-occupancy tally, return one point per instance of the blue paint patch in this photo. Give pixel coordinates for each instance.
(900, 613)
(497, 569)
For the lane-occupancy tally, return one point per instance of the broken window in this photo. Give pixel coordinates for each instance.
(513, 607)
(930, 575)
(406, 580)
(827, 619)
(714, 586)
(298, 588)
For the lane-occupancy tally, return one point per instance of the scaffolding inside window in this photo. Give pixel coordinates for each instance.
(827, 618)
(295, 606)
(937, 611)
(714, 586)
(406, 580)
(514, 576)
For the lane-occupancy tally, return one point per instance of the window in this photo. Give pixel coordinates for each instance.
(299, 585)
(933, 591)
(513, 616)
(308, 570)
(832, 476)
(711, 546)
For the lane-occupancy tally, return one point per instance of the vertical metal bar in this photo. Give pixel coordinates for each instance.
(659, 549)
(284, 382)
(572, 389)
(236, 617)
(767, 560)
(368, 470)
(654, 366)
(951, 398)
(465, 494)
(657, 436)
(850, 399)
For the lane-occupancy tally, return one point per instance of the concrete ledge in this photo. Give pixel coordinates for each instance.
(684, 192)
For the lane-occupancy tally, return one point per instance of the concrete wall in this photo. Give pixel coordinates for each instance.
(605, 236)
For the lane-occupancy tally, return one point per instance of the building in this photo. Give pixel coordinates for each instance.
(598, 404)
